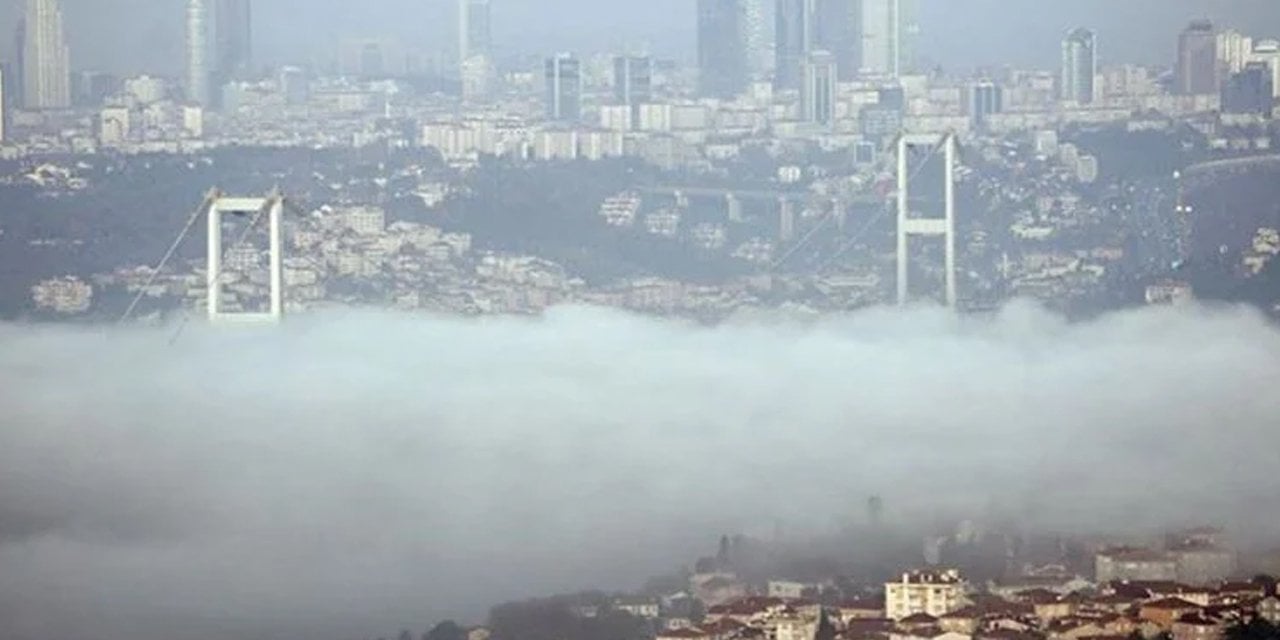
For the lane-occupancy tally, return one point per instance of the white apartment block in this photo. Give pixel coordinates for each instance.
(933, 592)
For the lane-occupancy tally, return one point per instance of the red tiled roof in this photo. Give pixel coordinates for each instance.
(919, 618)
(683, 633)
(1170, 604)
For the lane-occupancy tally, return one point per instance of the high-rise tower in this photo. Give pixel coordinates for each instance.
(723, 53)
(759, 53)
(838, 29)
(888, 29)
(633, 83)
(233, 39)
(46, 72)
(475, 36)
(794, 38)
(1079, 66)
(564, 88)
(1197, 69)
(199, 77)
(818, 98)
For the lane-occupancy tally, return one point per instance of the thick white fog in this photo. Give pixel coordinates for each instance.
(366, 471)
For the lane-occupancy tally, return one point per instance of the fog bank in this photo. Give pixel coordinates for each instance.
(355, 472)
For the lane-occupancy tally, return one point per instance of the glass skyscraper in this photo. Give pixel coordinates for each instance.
(723, 53)
(1079, 67)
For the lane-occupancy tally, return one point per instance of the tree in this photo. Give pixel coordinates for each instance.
(1255, 629)
(446, 630)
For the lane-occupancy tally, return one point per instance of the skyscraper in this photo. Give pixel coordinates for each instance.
(16, 86)
(839, 30)
(474, 29)
(1249, 91)
(985, 98)
(233, 39)
(723, 64)
(794, 36)
(888, 34)
(1197, 69)
(475, 44)
(199, 77)
(4, 106)
(818, 100)
(564, 88)
(1079, 66)
(46, 72)
(759, 55)
(633, 83)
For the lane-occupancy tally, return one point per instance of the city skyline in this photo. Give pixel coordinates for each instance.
(1139, 33)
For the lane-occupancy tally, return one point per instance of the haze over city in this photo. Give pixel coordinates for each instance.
(677, 320)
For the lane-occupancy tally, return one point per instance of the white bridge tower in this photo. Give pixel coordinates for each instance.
(273, 208)
(909, 226)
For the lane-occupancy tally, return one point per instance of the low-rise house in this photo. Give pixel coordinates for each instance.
(1165, 611)
(1197, 626)
(860, 609)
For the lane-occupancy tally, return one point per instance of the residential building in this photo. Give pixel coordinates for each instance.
(932, 592)
(1202, 564)
(1234, 49)
(1127, 563)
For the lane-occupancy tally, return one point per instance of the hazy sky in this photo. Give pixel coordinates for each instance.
(350, 473)
(132, 34)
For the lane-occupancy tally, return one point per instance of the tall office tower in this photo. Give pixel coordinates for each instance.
(1079, 66)
(564, 88)
(838, 29)
(199, 80)
(1233, 51)
(295, 85)
(475, 45)
(46, 71)
(1268, 53)
(889, 29)
(1197, 69)
(20, 53)
(907, 35)
(1249, 91)
(759, 52)
(633, 83)
(818, 99)
(233, 39)
(985, 98)
(475, 36)
(4, 106)
(794, 38)
(723, 66)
